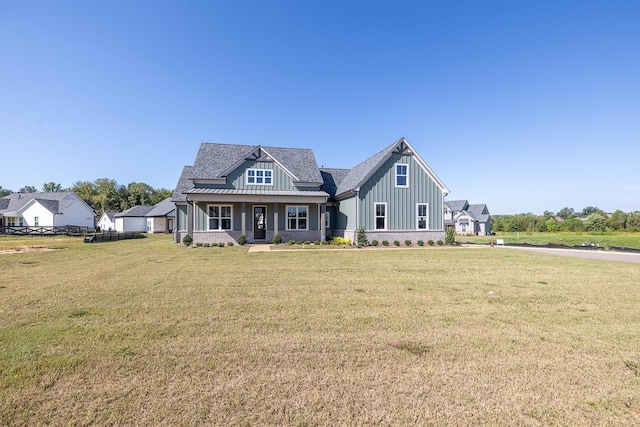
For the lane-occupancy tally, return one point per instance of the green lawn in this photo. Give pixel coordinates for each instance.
(624, 240)
(148, 332)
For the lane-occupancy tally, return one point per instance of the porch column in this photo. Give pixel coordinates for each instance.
(323, 231)
(275, 219)
(190, 219)
(244, 218)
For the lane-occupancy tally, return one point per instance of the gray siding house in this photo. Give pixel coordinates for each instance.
(467, 219)
(262, 191)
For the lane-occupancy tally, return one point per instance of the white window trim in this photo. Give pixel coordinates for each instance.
(286, 214)
(395, 167)
(375, 216)
(263, 176)
(220, 218)
(418, 216)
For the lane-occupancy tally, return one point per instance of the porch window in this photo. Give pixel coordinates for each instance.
(297, 218)
(219, 217)
(259, 176)
(423, 218)
(402, 175)
(327, 220)
(381, 216)
(11, 221)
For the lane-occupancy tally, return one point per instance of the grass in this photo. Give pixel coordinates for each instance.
(618, 239)
(147, 332)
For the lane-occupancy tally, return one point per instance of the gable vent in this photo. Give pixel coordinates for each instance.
(402, 148)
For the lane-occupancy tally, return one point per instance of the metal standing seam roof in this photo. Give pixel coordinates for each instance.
(230, 191)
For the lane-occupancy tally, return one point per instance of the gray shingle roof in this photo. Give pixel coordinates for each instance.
(478, 212)
(332, 179)
(164, 208)
(55, 202)
(184, 184)
(139, 210)
(354, 178)
(456, 205)
(214, 160)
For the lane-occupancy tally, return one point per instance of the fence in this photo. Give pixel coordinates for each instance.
(113, 236)
(69, 230)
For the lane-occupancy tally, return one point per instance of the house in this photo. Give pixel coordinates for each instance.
(132, 219)
(161, 218)
(466, 218)
(55, 209)
(262, 191)
(107, 221)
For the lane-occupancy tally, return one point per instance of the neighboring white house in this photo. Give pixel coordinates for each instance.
(107, 221)
(161, 218)
(56, 209)
(133, 219)
(466, 218)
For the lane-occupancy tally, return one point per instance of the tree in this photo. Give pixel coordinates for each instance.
(28, 189)
(4, 192)
(596, 222)
(140, 193)
(565, 213)
(552, 225)
(52, 187)
(618, 220)
(589, 210)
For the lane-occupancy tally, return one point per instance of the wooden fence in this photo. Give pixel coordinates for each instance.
(69, 230)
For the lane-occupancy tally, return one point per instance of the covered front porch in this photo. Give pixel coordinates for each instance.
(218, 216)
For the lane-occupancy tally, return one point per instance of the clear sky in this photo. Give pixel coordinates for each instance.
(523, 105)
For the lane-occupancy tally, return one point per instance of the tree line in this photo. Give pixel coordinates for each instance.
(103, 194)
(590, 219)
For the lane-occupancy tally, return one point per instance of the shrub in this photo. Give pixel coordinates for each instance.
(440, 242)
(291, 242)
(361, 236)
(206, 245)
(307, 243)
(374, 243)
(187, 240)
(324, 242)
(242, 240)
(199, 244)
(450, 238)
(430, 242)
(317, 242)
(277, 239)
(341, 241)
(385, 243)
(397, 243)
(229, 243)
(407, 242)
(420, 243)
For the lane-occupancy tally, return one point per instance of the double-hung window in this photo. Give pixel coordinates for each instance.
(423, 216)
(402, 175)
(297, 218)
(380, 216)
(219, 217)
(36, 221)
(259, 176)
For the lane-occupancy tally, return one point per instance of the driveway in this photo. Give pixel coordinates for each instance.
(594, 254)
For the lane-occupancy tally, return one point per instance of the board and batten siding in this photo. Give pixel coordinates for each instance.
(401, 202)
(238, 178)
(181, 217)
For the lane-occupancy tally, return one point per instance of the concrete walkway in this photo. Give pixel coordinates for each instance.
(260, 248)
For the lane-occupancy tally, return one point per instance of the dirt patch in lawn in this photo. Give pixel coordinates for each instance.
(24, 249)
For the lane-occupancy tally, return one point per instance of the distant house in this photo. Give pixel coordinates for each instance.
(262, 191)
(56, 209)
(466, 218)
(161, 218)
(132, 219)
(107, 221)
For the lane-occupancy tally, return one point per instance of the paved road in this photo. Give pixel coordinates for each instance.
(594, 254)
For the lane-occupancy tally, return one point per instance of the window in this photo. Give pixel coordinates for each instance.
(402, 175)
(423, 216)
(36, 221)
(11, 221)
(297, 218)
(259, 176)
(219, 217)
(327, 220)
(381, 216)
(149, 225)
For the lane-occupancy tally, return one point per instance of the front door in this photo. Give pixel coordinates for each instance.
(259, 222)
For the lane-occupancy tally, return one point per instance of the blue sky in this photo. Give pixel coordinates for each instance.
(523, 105)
